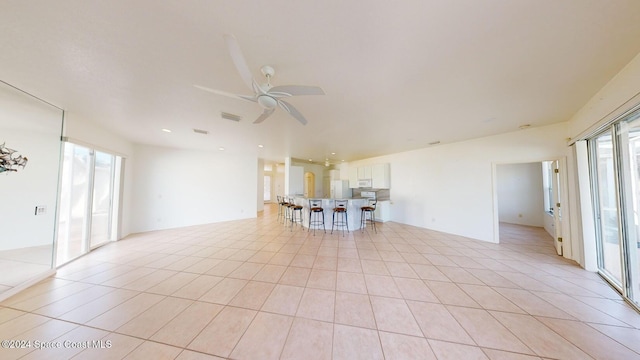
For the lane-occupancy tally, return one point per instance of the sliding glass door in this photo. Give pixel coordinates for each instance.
(615, 162)
(86, 201)
(629, 138)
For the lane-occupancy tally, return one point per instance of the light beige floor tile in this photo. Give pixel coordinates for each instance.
(351, 343)
(391, 256)
(224, 268)
(150, 280)
(222, 334)
(295, 276)
(283, 259)
(170, 285)
(401, 270)
(393, 315)
(437, 323)
(121, 314)
(317, 304)
(224, 291)
(415, 289)
(486, 331)
(128, 277)
(544, 341)
(578, 309)
(354, 309)
(117, 347)
(626, 336)
(401, 347)
(489, 299)
(264, 338)
(51, 296)
(374, 267)
(349, 265)
(348, 253)
(17, 326)
(459, 275)
(182, 329)
(152, 350)
(505, 355)
(284, 299)
(198, 287)
(589, 339)
(322, 279)
(76, 338)
(246, 271)
(308, 339)
(452, 351)
(92, 309)
(46, 332)
(270, 273)
(302, 260)
(253, 295)
(429, 272)
(153, 319)
(382, 286)
(69, 303)
(192, 355)
(326, 263)
(351, 282)
(202, 266)
(451, 294)
(533, 304)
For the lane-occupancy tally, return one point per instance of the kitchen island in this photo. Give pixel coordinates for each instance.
(353, 211)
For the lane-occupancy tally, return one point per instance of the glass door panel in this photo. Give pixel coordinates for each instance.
(629, 137)
(102, 195)
(75, 193)
(607, 210)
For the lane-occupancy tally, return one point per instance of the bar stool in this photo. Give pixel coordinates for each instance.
(340, 212)
(369, 209)
(282, 207)
(316, 215)
(295, 209)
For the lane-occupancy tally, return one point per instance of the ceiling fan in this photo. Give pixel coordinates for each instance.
(267, 96)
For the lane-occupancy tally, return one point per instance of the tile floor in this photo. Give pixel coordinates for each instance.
(252, 289)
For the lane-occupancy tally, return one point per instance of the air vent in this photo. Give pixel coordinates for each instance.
(231, 117)
(200, 131)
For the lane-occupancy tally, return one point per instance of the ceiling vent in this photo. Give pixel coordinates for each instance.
(200, 131)
(231, 117)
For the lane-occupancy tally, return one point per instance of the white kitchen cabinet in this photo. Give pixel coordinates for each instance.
(383, 211)
(364, 173)
(353, 177)
(380, 176)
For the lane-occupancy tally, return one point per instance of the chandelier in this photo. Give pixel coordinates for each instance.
(10, 160)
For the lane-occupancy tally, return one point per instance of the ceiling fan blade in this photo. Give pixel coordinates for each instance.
(239, 60)
(295, 90)
(265, 114)
(224, 93)
(293, 111)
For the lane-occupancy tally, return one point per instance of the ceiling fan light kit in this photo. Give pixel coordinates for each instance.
(265, 95)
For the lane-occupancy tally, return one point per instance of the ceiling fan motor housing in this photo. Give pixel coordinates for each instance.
(267, 102)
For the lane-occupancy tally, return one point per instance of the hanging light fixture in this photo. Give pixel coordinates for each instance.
(9, 161)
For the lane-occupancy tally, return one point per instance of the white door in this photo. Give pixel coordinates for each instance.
(557, 205)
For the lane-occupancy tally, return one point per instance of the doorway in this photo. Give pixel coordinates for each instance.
(87, 215)
(530, 194)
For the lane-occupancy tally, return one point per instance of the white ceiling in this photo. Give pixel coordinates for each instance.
(398, 75)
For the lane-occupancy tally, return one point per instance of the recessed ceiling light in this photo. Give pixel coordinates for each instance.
(342, 160)
(310, 160)
(333, 153)
(221, 148)
(260, 146)
(166, 130)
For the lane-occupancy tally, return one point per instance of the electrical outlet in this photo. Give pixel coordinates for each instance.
(40, 210)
